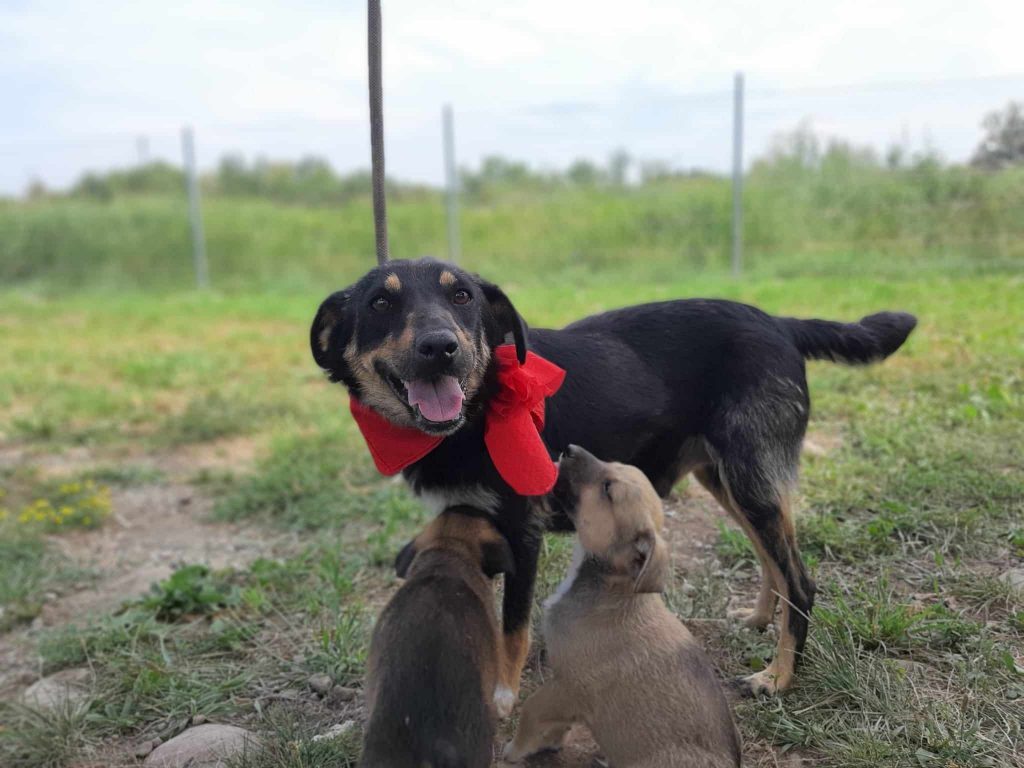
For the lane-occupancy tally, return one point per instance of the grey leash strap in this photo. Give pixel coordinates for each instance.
(380, 214)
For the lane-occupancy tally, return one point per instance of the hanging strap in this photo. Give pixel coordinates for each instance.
(380, 214)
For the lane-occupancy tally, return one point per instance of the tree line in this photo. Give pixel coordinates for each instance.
(312, 180)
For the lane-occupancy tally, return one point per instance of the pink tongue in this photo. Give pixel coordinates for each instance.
(439, 400)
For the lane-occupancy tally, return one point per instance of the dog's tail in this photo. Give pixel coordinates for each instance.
(873, 338)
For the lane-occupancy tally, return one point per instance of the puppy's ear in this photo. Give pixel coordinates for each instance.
(330, 332)
(507, 320)
(404, 559)
(650, 563)
(497, 558)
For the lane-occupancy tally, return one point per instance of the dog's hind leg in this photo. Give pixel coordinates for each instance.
(761, 505)
(770, 526)
(764, 609)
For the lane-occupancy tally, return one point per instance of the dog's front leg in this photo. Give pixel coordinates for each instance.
(525, 538)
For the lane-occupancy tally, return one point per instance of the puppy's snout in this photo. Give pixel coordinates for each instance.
(437, 346)
(577, 458)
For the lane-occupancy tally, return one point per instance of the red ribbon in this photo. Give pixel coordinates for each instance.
(514, 420)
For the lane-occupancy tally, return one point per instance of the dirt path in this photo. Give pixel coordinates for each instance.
(152, 529)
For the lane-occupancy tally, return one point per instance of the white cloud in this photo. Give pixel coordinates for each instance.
(81, 80)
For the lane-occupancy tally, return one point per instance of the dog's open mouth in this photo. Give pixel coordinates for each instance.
(437, 400)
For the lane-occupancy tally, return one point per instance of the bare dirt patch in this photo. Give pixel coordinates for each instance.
(152, 529)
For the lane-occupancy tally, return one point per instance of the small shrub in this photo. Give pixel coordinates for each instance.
(191, 590)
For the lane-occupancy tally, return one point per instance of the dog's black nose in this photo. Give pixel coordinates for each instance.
(437, 345)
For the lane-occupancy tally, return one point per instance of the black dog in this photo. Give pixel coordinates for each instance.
(713, 387)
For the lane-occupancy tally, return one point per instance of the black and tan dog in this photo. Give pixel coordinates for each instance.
(622, 663)
(710, 387)
(434, 656)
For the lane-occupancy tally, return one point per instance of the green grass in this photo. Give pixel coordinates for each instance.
(827, 215)
(219, 644)
(870, 710)
(30, 566)
(25, 568)
(289, 743)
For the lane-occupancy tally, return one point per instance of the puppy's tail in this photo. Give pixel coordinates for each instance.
(872, 338)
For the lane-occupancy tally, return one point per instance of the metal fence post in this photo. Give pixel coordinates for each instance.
(195, 215)
(451, 183)
(142, 149)
(737, 175)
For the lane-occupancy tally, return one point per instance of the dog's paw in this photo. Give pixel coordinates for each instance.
(750, 618)
(504, 700)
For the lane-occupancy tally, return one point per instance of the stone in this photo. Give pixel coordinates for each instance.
(340, 694)
(203, 746)
(335, 731)
(62, 690)
(321, 684)
(1014, 577)
(145, 747)
(910, 667)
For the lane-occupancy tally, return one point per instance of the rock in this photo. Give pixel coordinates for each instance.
(62, 690)
(336, 730)
(204, 746)
(145, 747)
(321, 684)
(339, 694)
(910, 667)
(1014, 577)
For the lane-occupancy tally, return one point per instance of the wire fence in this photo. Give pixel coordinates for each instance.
(821, 170)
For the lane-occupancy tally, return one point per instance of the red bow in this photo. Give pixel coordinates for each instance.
(514, 419)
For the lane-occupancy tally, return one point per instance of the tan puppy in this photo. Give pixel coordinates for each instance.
(623, 664)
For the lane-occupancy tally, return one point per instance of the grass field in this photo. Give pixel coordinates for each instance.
(111, 403)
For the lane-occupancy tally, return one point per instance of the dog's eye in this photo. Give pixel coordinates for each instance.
(607, 489)
(380, 304)
(462, 297)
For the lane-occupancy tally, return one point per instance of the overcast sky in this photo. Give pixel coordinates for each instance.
(541, 80)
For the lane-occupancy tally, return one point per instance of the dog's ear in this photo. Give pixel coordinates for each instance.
(330, 332)
(404, 559)
(497, 557)
(507, 319)
(650, 563)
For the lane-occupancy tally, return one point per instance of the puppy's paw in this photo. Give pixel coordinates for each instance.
(511, 754)
(504, 700)
(750, 618)
(763, 683)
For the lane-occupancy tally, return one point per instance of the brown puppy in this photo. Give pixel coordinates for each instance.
(623, 663)
(435, 652)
